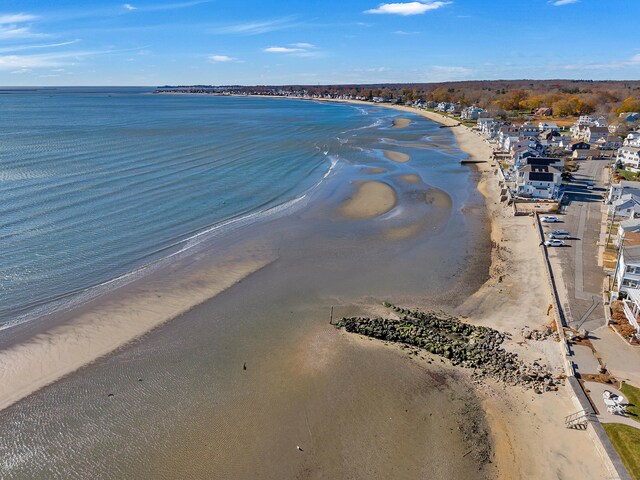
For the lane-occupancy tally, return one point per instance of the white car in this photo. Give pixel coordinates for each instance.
(554, 243)
(549, 219)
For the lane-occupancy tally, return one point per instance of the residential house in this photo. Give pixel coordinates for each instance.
(630, 116)
(579, 146)
(529, 129)
(543, 112)
(629, 157)
(624, 187)
(616, 128)
(519, 154)
(609, 143)
(593, 133)
(472, 113)
(628, 270)
(581, 154)
(627, 206)
(551, 126)
(565, 142)
(538, 181)
(632, 140)
(627, 228)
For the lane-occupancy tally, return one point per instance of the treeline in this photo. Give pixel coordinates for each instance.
(565, 97)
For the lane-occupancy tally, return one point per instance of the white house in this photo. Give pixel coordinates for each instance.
(632, 140)
(472, 113)
(628, 270)
(538, 181)
(542, 126)
(627, 206)
(593, 134)
(625, 187)
(528, 129)
(630, 157)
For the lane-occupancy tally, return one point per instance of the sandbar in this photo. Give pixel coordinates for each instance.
(401, 122)
(370, 200)
(396, 156)
(411, 178)
(113, 322)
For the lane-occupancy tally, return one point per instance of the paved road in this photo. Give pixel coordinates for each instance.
(581, 275)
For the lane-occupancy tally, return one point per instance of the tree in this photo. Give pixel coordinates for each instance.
(630, 104)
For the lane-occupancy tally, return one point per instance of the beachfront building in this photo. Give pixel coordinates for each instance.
(538, 181)
(629, 157)
(472, 113)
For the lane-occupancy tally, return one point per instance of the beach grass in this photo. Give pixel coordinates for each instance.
(632, 395)
(626, 441)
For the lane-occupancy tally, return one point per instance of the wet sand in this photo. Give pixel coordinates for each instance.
(117, 319)
(411, 178)
(396, 156)
(371, 199)
(401, 122)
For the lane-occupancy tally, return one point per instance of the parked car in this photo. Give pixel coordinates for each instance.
(554, 243)
(590, 185)
(559, 234)
(549, 219)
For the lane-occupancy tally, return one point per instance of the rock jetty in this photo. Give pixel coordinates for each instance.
(475, 347)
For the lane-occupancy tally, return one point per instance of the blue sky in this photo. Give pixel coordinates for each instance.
(90, 42)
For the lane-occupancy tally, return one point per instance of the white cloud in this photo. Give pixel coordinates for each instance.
(631, 62)
(410, 8)
(13, 32)
(221, 58)
(16, 18)
(282, 50)
(17, 48)
(129, 7)
(303, 45)
(402, 32)
(559, 3)
(255, 28)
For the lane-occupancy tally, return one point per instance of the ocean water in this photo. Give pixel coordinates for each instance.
(96, 184)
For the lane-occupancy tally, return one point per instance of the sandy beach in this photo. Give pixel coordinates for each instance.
(359, 408)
